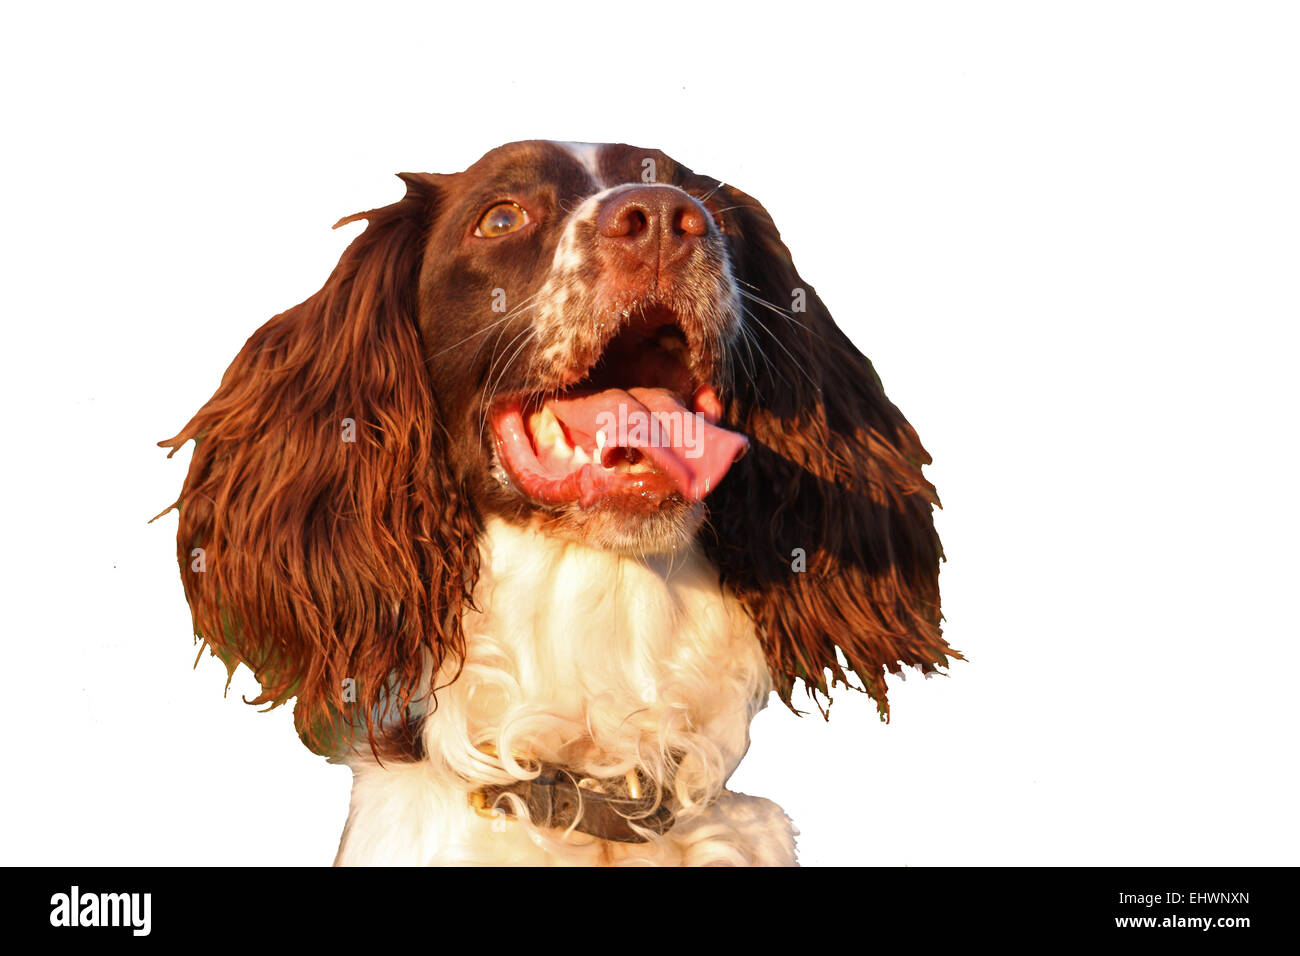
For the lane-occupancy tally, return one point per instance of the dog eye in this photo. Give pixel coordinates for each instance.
(503, 218)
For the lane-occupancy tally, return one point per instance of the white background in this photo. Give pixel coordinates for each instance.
(1068, 235)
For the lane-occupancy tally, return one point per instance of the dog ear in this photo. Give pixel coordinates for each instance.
(824, 530)
(323, 541)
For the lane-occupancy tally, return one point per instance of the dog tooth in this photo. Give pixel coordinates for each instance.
(548, 432)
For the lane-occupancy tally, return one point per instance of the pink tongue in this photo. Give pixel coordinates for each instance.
(684, 445)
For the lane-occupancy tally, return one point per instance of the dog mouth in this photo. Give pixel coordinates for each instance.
(637, 430)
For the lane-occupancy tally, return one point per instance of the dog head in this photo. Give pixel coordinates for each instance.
(592, 339)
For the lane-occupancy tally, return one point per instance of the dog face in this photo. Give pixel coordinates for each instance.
(592, 339)
(580, 322)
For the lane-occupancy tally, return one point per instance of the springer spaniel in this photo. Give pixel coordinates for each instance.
(533, 504)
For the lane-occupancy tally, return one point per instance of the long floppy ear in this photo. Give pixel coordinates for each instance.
(323, 541)
(824, 530)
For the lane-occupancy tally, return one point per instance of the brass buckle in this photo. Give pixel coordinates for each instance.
(631, 778)
(478, 800)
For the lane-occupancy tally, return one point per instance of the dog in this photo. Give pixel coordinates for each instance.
(533, 505)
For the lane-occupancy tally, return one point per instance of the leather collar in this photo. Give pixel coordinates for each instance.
(556, 799)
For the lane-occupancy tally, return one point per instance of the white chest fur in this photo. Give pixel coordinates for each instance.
(599, 663)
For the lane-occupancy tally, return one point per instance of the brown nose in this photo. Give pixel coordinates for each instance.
(656, 224)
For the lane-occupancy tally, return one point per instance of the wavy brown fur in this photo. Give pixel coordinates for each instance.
(834, 469)
(328, 560)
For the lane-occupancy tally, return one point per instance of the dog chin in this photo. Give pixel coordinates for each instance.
(665, 531)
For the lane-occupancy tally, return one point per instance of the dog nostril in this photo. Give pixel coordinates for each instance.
(637, 222)
(627, 222)
(692, 221)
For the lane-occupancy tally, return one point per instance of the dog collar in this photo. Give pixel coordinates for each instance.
(557, 799)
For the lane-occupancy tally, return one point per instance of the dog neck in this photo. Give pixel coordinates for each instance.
(599, 662)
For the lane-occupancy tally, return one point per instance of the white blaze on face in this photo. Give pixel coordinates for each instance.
(565, 284)
(589, 155)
